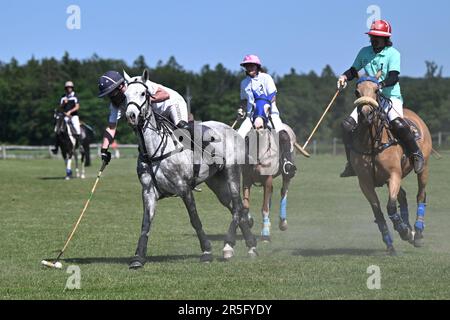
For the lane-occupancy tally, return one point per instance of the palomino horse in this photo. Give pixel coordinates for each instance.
(379, 159)
(68, 146)
(263, 142)
(166, 168)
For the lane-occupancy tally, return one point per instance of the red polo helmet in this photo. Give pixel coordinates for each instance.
(380, 28)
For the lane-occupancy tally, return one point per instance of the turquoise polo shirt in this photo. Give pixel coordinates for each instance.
(388, 60)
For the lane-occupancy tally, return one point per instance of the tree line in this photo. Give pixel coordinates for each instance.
(29, 93)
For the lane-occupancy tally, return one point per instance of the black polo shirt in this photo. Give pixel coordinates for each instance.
(72, 100)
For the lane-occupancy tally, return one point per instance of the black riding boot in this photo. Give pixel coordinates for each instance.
(403, 132)
(348, 125)
(288, 168)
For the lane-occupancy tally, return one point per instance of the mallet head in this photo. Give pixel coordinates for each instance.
(56, 265)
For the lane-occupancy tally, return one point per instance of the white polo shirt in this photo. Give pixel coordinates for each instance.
(261, 84)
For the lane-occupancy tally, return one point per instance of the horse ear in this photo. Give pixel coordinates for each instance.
(126, 76)
(145, 75)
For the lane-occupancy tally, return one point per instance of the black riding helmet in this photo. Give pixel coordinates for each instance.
(109, 81)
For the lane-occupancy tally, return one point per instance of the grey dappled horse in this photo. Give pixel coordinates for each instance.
(167, 167)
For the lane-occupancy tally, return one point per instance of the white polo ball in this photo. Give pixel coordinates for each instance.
(58, 265)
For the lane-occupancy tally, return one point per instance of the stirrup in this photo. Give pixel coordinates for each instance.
(348, 171)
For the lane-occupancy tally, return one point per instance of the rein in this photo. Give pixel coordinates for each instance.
(380, 122)
(164, 129)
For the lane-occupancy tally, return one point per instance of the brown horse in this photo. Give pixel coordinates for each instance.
(379, 159)
(265, 144)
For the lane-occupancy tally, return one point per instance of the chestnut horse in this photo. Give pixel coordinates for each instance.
(379, 159)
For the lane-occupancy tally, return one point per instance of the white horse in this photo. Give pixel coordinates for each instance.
(167, 167)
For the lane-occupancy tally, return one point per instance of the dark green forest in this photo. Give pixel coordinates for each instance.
(30, 92)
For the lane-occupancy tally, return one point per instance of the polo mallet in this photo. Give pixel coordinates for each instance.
(321, 118)
(436, 154)
(56, 264)
(235, 122)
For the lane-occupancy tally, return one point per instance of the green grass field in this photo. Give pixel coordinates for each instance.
(325, 253)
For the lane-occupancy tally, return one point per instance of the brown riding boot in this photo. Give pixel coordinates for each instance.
(403, 133)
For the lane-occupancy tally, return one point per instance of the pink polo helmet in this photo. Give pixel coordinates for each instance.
(251, 58)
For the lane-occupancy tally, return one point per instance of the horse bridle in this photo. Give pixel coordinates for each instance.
(147, 95)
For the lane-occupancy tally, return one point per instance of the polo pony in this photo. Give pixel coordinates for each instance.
(379, 159)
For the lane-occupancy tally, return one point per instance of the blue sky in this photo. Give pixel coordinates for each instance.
(305, 35)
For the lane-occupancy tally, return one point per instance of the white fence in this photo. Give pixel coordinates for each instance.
(334, 146)
(44, 152)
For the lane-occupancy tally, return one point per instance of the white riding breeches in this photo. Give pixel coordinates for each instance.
(75, 122)
(395, 112)
(175, 112)
(276, 122)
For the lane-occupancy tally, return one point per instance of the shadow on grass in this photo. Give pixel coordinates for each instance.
(338, 252)
(127, 260)
(221, 237)
(51, 178)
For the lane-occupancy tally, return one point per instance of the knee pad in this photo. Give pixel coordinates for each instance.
(400, 128)
(284, 136)
(183, 125)
(398, 123)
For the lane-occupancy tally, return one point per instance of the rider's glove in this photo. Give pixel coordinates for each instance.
(106, 155)
(342, 82)
(241, 113)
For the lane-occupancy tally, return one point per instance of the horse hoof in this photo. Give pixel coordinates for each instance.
(407, 235)
(67, 178)
(228, 252)
(283, 225)
(418, 243)
(265, 239)
(418, 239)
(136, 263)
(252, 253)
(206, 257)
(391, 251)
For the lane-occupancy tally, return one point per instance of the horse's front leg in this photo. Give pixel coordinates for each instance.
(399, 225)
(265, 210)
(283, 204)
(149, 200)
(77, 171)
(68, 161)
(247, 185)
(205, 244)
(240, 215)
(368, 189)
(83, 173)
